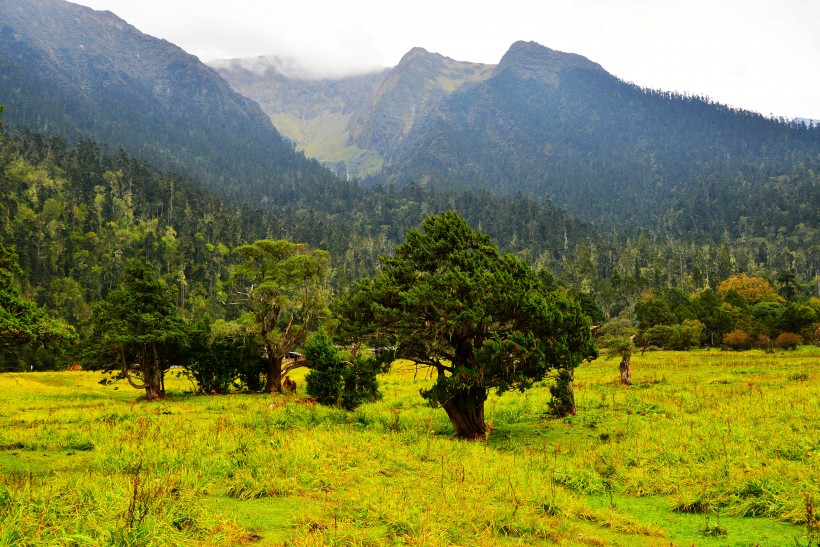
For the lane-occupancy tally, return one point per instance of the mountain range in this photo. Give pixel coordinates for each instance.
(66, 70)
(543, 122)
(547, 124)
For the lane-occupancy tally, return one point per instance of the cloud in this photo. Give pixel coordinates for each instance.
(290, 67)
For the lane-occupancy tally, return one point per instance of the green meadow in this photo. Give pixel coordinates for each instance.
(706, 448)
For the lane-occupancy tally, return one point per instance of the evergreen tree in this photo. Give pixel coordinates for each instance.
(451, 301)
(136, 329)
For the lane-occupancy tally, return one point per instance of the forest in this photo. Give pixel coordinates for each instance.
(73, 216)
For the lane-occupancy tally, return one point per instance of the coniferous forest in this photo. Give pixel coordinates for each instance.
(76, 215)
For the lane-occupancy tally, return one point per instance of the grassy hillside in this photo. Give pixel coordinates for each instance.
(711, 448)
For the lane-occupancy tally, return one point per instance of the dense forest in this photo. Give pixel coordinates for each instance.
(77, 214)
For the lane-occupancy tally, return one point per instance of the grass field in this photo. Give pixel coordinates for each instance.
(707, 448)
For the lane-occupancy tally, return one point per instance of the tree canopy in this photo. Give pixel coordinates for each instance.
(21, 321)
(137, 327)
(281, 286)
(480, 319)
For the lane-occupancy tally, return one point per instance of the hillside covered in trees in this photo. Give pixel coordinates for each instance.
(122, 147)
(551, 125)
(76, 215)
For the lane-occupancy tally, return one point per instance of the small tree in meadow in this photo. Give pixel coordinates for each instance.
(788, 340)
(324, 381)
(137, 331)
(623, 347)
(281, 286)
(738, 339)
(333, 380)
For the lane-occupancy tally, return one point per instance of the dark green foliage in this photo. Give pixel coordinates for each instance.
(451, 301)
(732, 297)
(136, 328)
(359, 381)
(324, 381)
(796, 318)
(212, 362)
(675, 337)
(252, 368)
(589, 306)
(334, 381)
(24, 327)
(18, 317)
(653, 312)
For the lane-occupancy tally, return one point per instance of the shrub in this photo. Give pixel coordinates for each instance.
(675, 337)
(738, 339)
(332, 381)
(765, 343)
(324, 381)
(788, 340)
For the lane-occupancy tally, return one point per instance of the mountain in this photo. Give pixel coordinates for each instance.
(314, 113)
(557, 125)
(66, 69)
(554, 124)
(355, 123)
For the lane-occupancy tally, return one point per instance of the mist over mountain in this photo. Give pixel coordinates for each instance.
(355, 123)
(66, 69)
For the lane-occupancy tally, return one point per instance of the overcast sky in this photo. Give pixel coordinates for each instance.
(761, 55)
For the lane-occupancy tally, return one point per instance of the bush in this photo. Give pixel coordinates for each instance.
(324, 381)
(738, 339)
(788, 340)
(676, 337)
(332, 381)
(765, 343)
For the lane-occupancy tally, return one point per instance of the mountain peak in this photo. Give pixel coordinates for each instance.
(418, 57)
(532, 61)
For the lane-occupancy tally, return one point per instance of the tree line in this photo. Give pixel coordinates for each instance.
(114, 265)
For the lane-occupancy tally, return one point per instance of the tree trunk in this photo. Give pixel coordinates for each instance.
(154, 378)
(153, 391)
(273, 382)
(626, 371)
(465, 408)
(563, 394)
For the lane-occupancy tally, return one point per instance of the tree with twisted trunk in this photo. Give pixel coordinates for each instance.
(449, 300)
(136, 330)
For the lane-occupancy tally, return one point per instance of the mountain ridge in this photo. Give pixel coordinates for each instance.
(67, 69)
(557, 125)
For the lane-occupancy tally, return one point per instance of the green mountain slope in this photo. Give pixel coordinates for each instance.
(66, 69)
(557, 125)
(355, 123)
(315, 113)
